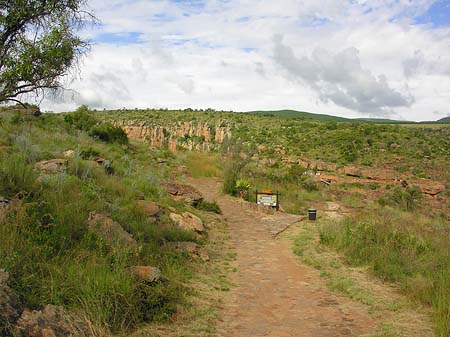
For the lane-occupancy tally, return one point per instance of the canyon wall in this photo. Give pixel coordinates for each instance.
(192, 136)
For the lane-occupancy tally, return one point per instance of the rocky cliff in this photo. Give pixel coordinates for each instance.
(191, 136)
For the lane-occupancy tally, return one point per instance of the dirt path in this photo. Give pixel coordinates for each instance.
(275, 295)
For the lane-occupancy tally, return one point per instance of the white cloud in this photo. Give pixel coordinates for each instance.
(349, 58)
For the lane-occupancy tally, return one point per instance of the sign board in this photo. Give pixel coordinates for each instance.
(267, 199)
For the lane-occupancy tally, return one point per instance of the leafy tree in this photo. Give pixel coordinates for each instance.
(39, 44)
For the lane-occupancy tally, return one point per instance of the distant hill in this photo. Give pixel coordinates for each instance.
(302, 114)
(330, 118)
(323, 117)
(444, 120)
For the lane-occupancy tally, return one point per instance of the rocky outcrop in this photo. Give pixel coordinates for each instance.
(151, 209)
(146, 273)
(191, 249)
(51, 166)
(191, 136)
(110, 230)
(52, 321)
(188, 221)
(10, 306)
(186, 193)
(429, 187)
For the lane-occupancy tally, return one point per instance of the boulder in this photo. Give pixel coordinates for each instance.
(10, 306)
(52, 321)
(146, 273)
(69, 154)
(185, 193)
(51, 166)
(190, 248)
(429, 187)
(110, 230)
(151, 209)
(351, 171)
(188, 221)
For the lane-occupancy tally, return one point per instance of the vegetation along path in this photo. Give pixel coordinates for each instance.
(274, 294)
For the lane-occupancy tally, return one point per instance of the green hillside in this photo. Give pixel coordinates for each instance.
(444, 120)
(301, 114)
(328, 118)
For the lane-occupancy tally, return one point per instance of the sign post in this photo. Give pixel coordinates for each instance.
(268, 198)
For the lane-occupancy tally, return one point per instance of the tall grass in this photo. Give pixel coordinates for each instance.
(202, 164)
(404, 248)
(45, 242)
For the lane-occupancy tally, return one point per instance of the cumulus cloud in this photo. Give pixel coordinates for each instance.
(340, 78)
(351, 58)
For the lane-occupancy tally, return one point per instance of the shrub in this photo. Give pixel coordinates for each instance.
(109, 134)
(406, 199)
(231, 174)
(209, 207)
(89, 154)
(81, 119)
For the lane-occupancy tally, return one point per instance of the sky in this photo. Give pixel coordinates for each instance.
(350, 58)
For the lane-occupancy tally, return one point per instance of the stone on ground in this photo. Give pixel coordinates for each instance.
(52, 321)
(185, 193)
(146, 273)
(10, 306)
(188, 221)
(51, 166)
(192, 249)
(151, 209)
(110, 230)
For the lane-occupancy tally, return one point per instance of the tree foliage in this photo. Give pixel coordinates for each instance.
(38, 44)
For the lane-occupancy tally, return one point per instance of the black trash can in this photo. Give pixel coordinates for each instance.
(312, 214)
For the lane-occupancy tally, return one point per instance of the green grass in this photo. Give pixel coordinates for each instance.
(403, 248)
(45, 243)
(203, 165)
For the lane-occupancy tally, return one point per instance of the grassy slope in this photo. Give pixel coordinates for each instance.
(44, 241)
(412, 257)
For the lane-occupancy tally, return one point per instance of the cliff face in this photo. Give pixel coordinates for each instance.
(187, 135)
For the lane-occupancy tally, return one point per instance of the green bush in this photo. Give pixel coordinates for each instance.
(81, 119)
(209, 207)
(109, 134)
(403, 198)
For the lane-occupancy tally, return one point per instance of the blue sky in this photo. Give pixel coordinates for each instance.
(355, 58)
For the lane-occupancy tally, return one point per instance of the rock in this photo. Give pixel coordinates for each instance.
(188, 221)
(146, 273)
(190, 248)
(352, 171)
(51, 166)
(185, 193)
(151, 209)
(429, 187)
(52, 321)
(69, 154)
(10, 306)
(110, 230)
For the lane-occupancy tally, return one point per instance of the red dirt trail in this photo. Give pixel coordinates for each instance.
(275, 295)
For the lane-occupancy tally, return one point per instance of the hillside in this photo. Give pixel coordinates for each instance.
(444, 120)
(330, 118)
(301, 114)
(102, 216)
